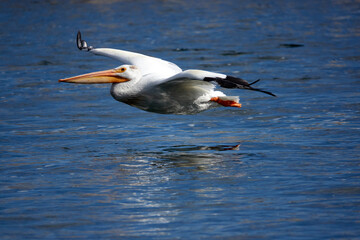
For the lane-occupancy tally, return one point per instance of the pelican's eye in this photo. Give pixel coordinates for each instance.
(120, 70)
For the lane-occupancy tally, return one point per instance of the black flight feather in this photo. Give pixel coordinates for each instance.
(233, 82)
(81, 44)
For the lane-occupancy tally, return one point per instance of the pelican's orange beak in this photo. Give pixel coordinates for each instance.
(107, 76)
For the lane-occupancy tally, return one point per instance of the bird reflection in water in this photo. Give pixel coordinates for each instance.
(200, 148)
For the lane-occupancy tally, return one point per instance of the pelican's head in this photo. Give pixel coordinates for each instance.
(123, 73)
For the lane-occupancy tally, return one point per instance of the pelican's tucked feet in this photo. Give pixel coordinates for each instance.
(226, 103)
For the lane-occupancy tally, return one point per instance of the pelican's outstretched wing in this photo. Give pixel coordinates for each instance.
(222, 79)
(146, 64)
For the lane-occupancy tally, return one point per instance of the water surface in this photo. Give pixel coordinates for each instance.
(77, 164)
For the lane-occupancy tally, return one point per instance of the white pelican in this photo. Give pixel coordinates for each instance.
(159, 86)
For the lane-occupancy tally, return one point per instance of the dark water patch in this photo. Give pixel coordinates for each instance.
(235, 53)
(291, 45)
(306, 78)
(190, 49)
(272, 58)
(44, 63)
(352, 58)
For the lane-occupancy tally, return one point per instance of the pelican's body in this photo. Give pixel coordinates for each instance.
(159, 86)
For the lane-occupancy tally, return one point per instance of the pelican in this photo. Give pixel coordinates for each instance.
(159, 86)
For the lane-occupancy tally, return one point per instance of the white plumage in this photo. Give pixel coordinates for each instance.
(156, 85)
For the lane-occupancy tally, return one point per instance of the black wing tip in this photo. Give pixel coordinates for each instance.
(234, 82)
(260, 90)
(254, 82)
(78, 40)
(269, 93)
(241, 83)
(81, 44)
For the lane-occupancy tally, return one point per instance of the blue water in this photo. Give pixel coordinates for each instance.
(77, 164)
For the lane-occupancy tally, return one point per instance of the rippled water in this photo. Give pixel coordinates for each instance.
(77, 164)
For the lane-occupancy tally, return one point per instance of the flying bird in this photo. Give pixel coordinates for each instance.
(159, 86)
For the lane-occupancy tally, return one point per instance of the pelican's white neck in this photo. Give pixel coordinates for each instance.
(121, 91)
